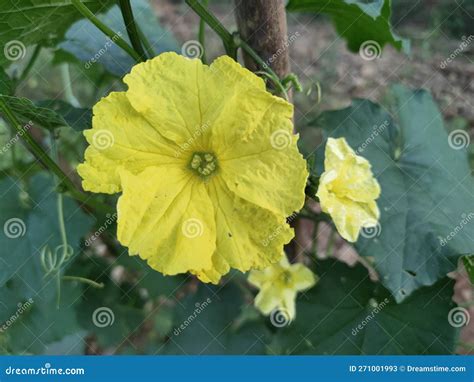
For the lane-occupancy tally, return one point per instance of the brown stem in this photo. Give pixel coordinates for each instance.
(262, 24)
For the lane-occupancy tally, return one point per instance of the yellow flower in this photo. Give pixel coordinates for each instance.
(206, 162)
(348, 190)
(279, 285)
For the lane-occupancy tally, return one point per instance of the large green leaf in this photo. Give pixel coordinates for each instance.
(112, 313)
(78, 118)
(26, 111)
(93, 47)
(346, 313)
(362, 23)
(427, 196)
(29, 22)
(37, 320)
(208, 323)
(29, 222)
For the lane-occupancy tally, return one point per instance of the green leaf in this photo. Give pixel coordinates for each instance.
(362, 23)
(6, 86)
(207, 323)
(27, 112)
(31, 22)
(37, 321)
(93, 47)
(78, 118)
(112, 313)
(154, 282)
(29, 222)
(468, 262)
(427, 188)
(347, 313)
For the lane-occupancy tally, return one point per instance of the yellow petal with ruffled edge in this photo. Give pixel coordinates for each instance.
(120, 137)
(279, 284)
(196, 144)
(166, 216)
(348, 190)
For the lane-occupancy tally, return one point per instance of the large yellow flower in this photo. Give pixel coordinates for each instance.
(279, 285)
(206, 162)
(348, 190)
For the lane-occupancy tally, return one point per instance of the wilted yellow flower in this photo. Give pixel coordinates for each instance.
(206, 162)
(279, 284)
(348, 190)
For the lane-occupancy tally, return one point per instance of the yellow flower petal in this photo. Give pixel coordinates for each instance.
(347, 190)
(279, 285)
(120, 138)
(166, 217)
(248, 237)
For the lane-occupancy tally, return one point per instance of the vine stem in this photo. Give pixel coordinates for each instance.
(47, 162)
(31, 63)
(132, 31)
(233, 41)
(216, 26)
(86, 12)
(84, 280)
(202, 35)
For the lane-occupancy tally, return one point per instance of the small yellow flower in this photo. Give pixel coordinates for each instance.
(279, 285)
(348, 190)
(206, 162)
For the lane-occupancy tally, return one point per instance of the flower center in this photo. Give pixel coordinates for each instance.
(205, 164)
(286, 277)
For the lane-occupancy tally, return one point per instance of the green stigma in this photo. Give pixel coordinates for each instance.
(286, 277)
(205, 164)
